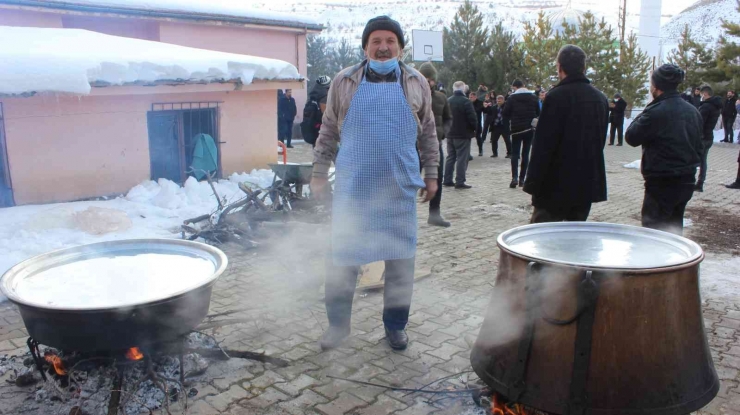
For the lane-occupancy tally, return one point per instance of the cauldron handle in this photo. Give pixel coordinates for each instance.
(517, 385)
(587, 294)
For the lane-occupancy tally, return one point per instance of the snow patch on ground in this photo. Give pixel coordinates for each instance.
(155, 210)
(69, 60)
(720, 277)
(634, 165)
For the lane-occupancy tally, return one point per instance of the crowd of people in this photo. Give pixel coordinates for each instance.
(391, 121)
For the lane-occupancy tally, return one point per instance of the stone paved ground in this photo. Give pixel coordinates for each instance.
(278, 290)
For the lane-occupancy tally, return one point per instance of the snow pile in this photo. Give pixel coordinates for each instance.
(69, 60)
(634, 165)
(705, 21)
(720, 277)
(232, 8)
(149, 210)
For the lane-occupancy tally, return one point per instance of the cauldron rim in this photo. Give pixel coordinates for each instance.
(697, 254)
(173, 246)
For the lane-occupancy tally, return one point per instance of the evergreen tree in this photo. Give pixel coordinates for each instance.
(597, 40)
(633, 69)
(503, 63)
(728, 55)
(317, 55)
(693, 58)
(343, 56)
(539, 51)
(464, 46)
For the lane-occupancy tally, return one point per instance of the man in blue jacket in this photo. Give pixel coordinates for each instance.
(670, 133)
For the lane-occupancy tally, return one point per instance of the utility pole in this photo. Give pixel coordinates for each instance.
(622, 26)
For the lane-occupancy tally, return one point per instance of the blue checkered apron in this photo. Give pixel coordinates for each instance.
(377, 178)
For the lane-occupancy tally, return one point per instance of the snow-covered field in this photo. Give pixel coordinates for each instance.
(149, 210)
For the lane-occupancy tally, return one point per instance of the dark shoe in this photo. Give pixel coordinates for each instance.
(734, 185)
(470, 158)
(724, 141)
(397, 339)
(508, 156)
(463, 186)
(480, 154)
(435, 219)
(289, 146)
(448, 184)
(611, 144)
(619, 145)
(333, 337)
(521, 182)
(513, 184)
(494, 155)
(699, 187)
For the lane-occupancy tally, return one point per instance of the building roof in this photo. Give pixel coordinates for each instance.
(230, 11)
(36, 60)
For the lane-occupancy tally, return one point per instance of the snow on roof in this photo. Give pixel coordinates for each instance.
(212, 9)
(70, 60)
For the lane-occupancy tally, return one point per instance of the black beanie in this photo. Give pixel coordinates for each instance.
(667, 77)
(382, 23)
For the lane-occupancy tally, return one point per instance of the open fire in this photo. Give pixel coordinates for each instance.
(134, 354)
(56, 362)
(500, 406)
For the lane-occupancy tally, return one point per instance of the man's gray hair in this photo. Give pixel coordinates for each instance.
(459, 86)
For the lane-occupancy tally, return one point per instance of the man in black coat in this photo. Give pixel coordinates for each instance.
(616, 118)
(696, 97)
(458, 139)
(670, 133)
(729, 114)
(710, 109)
(287, 111)
(479, 105)
(567, 174)
(495, 123)
(520, 109)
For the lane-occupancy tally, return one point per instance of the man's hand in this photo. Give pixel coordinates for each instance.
(428, 193)
(319, 187)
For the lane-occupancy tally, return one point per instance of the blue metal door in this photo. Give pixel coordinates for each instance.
(6, 191)
(165, 145)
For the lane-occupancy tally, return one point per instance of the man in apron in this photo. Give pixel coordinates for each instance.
(381, 112)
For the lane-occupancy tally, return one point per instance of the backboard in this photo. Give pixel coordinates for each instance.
(427, 45)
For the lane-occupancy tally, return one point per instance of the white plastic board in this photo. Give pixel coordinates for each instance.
(427, 45)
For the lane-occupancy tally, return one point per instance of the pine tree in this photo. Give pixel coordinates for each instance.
(633, 69)
(503, 62)
(539, 51)
(597, 40)
(464, 46)
(317, 55)
(343, 56)
(728, 54)
(693, 58)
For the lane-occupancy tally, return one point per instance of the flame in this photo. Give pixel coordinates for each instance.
(56, 362)
(498, 407)
(134, 354)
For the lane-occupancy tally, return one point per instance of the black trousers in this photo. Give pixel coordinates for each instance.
(436, 202)
(286, 132)
(561, 213)
(727, 123)
(664, 206)
(497, 132)
(520, 145)
(616, 126)
(703, 165)
(480, 136)
(399, 288)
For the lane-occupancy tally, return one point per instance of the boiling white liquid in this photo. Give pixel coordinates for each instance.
(114, 282)
(599, 249)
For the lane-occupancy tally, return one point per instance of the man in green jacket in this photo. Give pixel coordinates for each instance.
(443, 121)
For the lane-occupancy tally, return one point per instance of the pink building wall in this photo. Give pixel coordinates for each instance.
(67, 148)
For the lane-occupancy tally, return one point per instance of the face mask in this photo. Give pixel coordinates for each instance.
(384, 67)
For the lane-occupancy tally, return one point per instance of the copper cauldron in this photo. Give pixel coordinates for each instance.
(599, 319)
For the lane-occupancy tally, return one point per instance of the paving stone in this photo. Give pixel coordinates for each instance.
(435, 339)
(223, 400)
(398, 376)
(391, 362)
(268, 397)
(295, 386)
(729, 360)
(201, 408)
(301, 404)
(296, 369)
(729, 323)
(424, 363)
(445, 351)
(297, 353)
(268, 378)
(724, 332)
(726, 373)
(341, 405)
(383, 406)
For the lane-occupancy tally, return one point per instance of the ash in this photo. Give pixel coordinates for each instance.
(88, 390)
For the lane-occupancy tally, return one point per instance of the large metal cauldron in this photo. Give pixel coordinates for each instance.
(162, 317)
(595, 318)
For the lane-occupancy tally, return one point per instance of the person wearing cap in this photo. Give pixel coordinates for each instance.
(313, 111)
(381, 110)
(616, 118)
(567, 173)
(443, 122)
(670, 132)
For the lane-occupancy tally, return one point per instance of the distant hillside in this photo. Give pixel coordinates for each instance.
(705, 20)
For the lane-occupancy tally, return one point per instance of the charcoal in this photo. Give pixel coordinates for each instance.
(26, 377)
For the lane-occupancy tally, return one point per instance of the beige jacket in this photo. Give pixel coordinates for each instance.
(342, 91)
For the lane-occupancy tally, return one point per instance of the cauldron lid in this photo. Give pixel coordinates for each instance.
(113, 275)
(599, 245)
